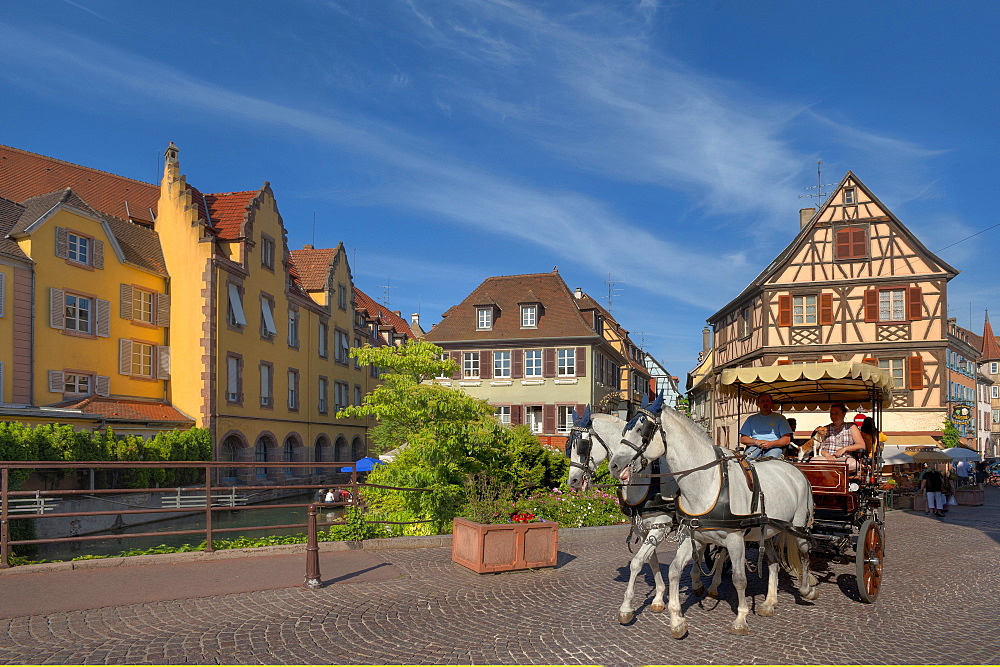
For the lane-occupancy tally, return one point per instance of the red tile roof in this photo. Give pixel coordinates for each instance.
(228, 212)
(122, 410)
(312, 266)
(389, 317)
(560, 315)
(990, 349)
(24, 175)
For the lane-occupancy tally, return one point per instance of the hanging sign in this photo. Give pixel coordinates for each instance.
(961, 414)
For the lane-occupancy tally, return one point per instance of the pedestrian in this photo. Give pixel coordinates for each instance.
(962, 470)
(765, 433)
(932, 483)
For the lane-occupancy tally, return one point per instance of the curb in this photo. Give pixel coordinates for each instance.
(378, 544)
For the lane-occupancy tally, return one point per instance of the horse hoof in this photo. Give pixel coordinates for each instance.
(625, 618)
(766, 611)
(812, 595)
(679, 631)
(698, 592)
(712, 594)
(742, 630)
(657, 607)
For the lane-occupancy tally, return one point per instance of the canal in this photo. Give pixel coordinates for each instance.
(250, 515)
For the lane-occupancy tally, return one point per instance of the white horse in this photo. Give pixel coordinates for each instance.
(652, 526)
(714, 511)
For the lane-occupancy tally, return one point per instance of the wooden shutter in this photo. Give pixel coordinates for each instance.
(103, 327)
(783, 362)
(915, 372)
(103, 385)
(859, 243)
(871, 361)
(485, 364)
(581, 362)
(3, 291)
(842, 244)
(62, 243)
(914, 303)
(548, 418)
(125, 305)
(162, 362)
(124, 356)
(57, 308)
(517, 363)
(549, 362)
(785, 310)
(515, 415)
(98, 257)
(457, 358)
(56, 382)
(163, 310)
(871, 305)
(826, 309)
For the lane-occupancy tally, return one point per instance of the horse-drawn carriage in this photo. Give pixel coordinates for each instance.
(849, 508)
(788, 509)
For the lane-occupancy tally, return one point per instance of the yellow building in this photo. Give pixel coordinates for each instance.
(149, 308)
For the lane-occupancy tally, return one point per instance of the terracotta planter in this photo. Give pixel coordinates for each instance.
(970, 496)
(901, 502)
(500, 547)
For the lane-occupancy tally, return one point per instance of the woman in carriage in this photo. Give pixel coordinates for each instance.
(842, 439)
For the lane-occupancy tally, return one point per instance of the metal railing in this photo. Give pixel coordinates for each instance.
(208, 497)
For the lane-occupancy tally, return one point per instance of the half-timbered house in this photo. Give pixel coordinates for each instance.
(854, 285)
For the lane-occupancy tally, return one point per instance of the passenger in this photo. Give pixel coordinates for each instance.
(841, 439)
(765, 433)
(330, 497)
(320, 496)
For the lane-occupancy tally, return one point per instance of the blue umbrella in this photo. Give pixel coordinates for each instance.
(364, 465)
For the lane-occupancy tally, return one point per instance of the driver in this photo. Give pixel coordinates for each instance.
(765, 433)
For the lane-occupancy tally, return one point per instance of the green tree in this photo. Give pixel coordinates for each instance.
(444, 436)
(950, 437)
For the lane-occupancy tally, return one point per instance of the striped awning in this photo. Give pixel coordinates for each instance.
(814, 385)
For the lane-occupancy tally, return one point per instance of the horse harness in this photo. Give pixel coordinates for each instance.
(589, 466)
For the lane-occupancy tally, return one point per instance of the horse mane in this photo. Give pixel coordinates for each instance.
(687, 426)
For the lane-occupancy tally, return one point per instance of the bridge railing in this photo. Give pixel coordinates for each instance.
(209, 497)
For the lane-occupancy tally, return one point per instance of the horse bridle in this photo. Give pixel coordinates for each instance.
(589, 466)
(650, 426)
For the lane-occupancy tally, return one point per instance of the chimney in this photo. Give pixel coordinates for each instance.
(308, 246)
(805, 215)
(706, 340)
(578, 293)
(415, 319)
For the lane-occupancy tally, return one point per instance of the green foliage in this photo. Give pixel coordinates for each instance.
(951, 437)
(355, 530)
(574, 509)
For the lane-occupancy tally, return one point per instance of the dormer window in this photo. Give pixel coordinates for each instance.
(484, 318)
(850, 196)
(529, 316)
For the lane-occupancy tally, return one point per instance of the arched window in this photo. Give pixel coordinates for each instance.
(357, 448)
(288, 453)
(228, 453)
(260, 454)
(322, 452)
(340, 452)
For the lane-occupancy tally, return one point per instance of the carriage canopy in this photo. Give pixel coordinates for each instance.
(814, 386)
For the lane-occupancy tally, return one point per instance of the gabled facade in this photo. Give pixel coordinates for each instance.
(150, 308)
(537, 351)
(989, 374)
(854, 285)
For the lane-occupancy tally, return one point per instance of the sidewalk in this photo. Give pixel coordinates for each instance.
(91, 584)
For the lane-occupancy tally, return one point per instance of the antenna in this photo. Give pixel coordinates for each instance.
(385, 290)
(314, 229)
(612, 292)
(819, 194)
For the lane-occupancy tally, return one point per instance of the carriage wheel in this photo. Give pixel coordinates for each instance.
(870, 551)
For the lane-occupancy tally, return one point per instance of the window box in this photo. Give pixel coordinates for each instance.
(502, 547)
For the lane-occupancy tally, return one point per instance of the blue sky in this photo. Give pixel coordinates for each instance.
(663, 144)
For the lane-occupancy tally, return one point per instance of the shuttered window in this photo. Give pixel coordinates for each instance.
(893, 304)
(915, 371)
(851, 243)
(234, 379)
(268, 328)
(234, 310)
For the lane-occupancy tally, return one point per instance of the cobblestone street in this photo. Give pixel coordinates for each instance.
(938, 605)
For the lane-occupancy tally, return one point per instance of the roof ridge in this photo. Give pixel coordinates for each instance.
(80, 166)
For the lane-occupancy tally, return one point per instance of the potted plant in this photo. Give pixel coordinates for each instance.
(970, 494)
(524, 543)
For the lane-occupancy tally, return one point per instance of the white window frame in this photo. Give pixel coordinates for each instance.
(896, 369)
(564, 419)
(142, 353)
(501, 364)
(502, 413)
(266, 385)
(534, 418)
(994, 367)
(77, 307)
(484, 318)
(850, 196)
(536, 365)
(996, 416)
(805, 309)
(892, 302)
(995, 391)
(470, 365)
(529, 316)
(79, 248)
(78, 383)
(566, 360)
(142, 305)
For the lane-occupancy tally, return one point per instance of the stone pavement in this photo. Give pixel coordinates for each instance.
(938, 605)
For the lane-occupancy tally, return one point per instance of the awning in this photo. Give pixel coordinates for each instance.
(911, 441)
(814, 385)
(893, 455)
